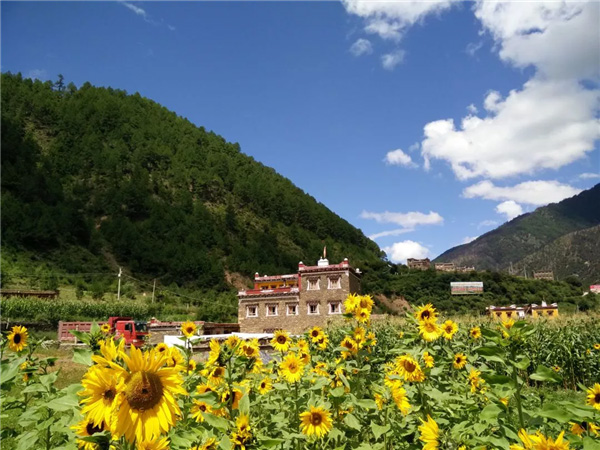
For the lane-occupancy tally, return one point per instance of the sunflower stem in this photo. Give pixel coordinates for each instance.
(515, 377)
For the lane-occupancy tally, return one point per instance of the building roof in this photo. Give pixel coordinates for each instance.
(277, 292)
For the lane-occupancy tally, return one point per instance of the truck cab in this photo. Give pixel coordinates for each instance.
(133, 332)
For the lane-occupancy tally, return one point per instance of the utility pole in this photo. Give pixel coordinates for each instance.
(119, 288)
(153, 289)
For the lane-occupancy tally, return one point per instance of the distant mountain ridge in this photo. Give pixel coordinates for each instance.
(532, 241)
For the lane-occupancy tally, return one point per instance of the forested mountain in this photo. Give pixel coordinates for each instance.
(93, 177)
(532, 232)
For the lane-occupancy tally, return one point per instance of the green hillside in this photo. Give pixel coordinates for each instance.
(429, 286)
(94, 178)
(572, 254)
(529, 233)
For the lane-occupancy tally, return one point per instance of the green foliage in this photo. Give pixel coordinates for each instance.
(429, 286)
(97, 172)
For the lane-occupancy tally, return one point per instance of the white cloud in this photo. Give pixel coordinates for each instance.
(400, 251)
(487, 223)
(37, 74)
(472, 109)
(530, 192)
(552, 120)
(361, 47)
(473, 47)
(136, 9)
(468, 239)
(396, 232)
(509, 208)
(546, 125)
(398, 158)
(390, 60)
(390, 19)
(589, 176)
(561, 39)
(406, 220)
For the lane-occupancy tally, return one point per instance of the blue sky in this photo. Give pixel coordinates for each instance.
(423, 124)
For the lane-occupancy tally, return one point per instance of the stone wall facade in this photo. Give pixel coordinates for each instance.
(318, 300)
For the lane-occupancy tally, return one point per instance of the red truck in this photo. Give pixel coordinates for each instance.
(134, 332)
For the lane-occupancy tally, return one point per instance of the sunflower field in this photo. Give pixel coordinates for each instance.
(427, 384)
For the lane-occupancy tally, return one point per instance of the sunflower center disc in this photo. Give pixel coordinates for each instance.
(281, 340)
(315, 419)
(597, 398)
(409, 366)
(109, 394)
(144, 390)
(91, 428)
(17, 338)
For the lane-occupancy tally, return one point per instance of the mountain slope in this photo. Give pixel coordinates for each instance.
(89, 172)
(572, 254)
(526, 234)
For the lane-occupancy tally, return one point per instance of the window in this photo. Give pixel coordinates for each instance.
(334, 283)
(335, 307)
(313, 308)
(313, 284)
(272, 310)
(252, 311)
(292, 309)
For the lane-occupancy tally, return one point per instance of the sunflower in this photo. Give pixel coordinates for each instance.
(154, 444)
(379, 401)
(315, 422)
(596, 346)
(147, 397)
(323, 342)
(237, 396)
(198, 408)
(87, 428)
(217, 375)
(556, 368)
(362, 315)
(214, 354)
(188, 329)
(281, 341)
(475, 332)
(161, 348)
(593, 396)
(577, 429)
(191, 366)
(429, 330)
(210, 444)
(401, 400)
(232, 341)
(426, 312)
(304, 357)
(204, 388)
(350, 347)
(351, 303)
(504, 401)
(359, 335)
(265, 386)
(315, 334)
(250, 349)
(409, 369)
(175, 359)
(99, 392)
(105, 328)
(365, 302)
(449, 329)
(475, 381)
(428, 359)
(303, 346)
(429, 434)
(242, 435)
(109, 352)
(291, 368)
(321, 369)
(460, 361)
(17, 339)
(508, 323)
